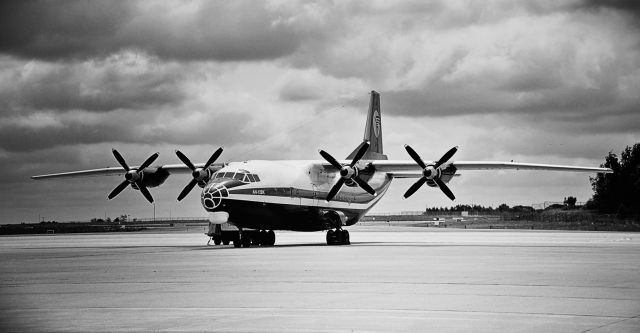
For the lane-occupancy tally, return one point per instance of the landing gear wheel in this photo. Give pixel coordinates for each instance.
(236, 241)
(271, 238)
(338, 237)
(330, 237)
(217, 239)
(263, 238)
(256, 239)
(246, 240)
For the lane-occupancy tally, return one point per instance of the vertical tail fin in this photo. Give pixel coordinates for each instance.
(373, 131)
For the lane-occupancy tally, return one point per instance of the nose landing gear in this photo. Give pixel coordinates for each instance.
(338, 237)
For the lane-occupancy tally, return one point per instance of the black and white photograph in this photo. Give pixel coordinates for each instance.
(320, 166)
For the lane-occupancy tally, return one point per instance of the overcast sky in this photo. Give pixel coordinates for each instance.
(543, 82)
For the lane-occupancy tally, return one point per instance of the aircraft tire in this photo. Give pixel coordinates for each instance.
(225, 242)
(246, 240)
(256, 238)
(345, 237)
(236, 243)
(271, 238)
(332, 238)
(263, 238)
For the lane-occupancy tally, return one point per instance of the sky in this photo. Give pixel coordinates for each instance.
(542, 82)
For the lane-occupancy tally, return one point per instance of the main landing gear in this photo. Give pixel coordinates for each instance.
(245, 238)
(338, 237)
(249, 238)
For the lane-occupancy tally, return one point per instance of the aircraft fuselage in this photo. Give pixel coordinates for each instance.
(288, 195)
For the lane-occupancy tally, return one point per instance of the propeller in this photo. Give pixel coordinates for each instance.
(199, 174)
(133, 176)
(349, 172)
(432, 171)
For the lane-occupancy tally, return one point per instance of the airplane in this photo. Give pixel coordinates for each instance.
(248, 200)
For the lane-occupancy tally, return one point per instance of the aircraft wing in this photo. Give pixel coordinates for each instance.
(409, 169)
(114, 171)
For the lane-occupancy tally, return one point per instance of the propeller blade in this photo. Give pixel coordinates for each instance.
(148, 162)
(415, 187)
(118, 189)
(446, 157)
(361, 151)
(415, 157)
(187, 189)
(364, 185)
(444, 188)
(330, 159)
(334, 190)
(120, 159)
(213, 158)
(145, 192)
(185, 160)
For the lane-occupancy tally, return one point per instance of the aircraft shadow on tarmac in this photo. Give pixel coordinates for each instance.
(229, 247)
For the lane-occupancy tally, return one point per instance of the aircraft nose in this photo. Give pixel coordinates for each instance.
(212, 195)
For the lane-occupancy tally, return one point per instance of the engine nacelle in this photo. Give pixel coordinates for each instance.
(153, 177)
(446, 175)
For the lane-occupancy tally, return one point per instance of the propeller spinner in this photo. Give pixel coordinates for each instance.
(432, 171)
(199, 174)
(133, 176)
(349, 172)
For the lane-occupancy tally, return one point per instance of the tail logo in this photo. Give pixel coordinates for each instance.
(376, 128)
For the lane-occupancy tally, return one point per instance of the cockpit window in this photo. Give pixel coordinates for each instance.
(242, 175)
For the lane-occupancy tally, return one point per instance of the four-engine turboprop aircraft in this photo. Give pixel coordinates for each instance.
(260, 196)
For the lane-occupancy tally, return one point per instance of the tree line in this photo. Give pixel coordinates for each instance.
(618, 192)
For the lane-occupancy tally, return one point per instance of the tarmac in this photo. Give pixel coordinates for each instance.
(399, 279)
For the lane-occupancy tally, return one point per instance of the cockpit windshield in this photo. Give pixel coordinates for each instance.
(240, 175)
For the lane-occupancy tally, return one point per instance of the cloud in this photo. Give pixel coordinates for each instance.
(121, 81)
(310, 86)
(81, 29)
(47, 130)
(630, 7)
